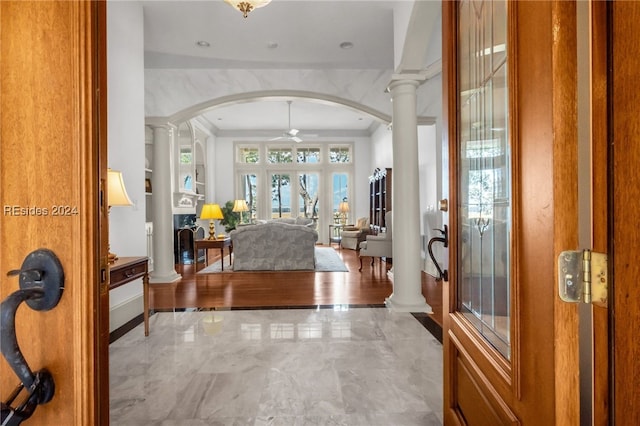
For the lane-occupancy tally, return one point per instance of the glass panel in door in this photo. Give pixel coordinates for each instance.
(249, 193)
(280, 195)
(308, 189)
(484, 173)
(340, 182)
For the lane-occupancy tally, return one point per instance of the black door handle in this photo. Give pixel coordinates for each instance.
(445, 240)
(41, 280)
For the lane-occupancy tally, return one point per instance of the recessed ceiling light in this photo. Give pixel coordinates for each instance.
(346, 45)
(272, 45)
(202, 43)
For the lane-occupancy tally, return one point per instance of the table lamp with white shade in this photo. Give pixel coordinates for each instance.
(343, 208)
(240, 206)
(116, 196)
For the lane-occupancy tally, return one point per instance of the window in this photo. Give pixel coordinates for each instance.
(308, 155)
(340, 182)
(280, 195)
(249, 192)
(340, 154)
(280, 155)
(309, 195)
(295, 180)
(248, 155)
(185, 156)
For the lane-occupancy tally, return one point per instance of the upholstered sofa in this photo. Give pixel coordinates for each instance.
(274, 246)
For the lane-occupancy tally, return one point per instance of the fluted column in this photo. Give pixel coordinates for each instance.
(407, 287)
(163, 266)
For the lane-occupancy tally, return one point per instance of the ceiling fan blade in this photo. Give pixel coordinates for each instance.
(296, 139)
(276, 139)
(293, 132)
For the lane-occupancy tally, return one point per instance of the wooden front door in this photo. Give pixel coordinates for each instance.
(527, 372)
(52, 124)
(509, 77)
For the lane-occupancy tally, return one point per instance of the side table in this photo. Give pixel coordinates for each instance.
(217, 243)
(127, 269)
(335, 234)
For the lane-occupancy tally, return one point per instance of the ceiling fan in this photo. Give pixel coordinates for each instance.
(290, 134)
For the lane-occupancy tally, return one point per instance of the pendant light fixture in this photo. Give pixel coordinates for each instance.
(246, 6)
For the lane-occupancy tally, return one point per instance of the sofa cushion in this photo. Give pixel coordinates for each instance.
(362, 223)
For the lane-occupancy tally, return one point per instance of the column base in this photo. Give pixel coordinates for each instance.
(164, 279)
(404, 307)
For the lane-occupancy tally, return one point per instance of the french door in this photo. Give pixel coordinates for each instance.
(294, 194)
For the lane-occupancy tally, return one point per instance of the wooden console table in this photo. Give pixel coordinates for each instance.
(127, 269)
(221, 244)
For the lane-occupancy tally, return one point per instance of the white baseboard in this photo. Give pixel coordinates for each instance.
(124, 312)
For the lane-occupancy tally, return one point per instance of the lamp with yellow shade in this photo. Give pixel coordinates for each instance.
(116, 196)
(211, 212)
(240, 206)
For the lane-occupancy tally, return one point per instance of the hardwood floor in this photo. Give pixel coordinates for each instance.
(286, 289)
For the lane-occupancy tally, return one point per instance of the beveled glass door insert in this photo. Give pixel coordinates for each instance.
(484, 172)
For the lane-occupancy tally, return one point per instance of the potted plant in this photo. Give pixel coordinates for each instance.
(231, 218)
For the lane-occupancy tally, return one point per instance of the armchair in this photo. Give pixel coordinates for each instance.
(352, 236)
(380, 245)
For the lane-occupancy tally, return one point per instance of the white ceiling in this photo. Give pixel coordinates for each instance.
(307, 35)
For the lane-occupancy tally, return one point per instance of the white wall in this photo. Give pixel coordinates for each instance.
(125, 68)
(381, 149)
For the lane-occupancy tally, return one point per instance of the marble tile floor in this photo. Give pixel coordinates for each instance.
(340, 366)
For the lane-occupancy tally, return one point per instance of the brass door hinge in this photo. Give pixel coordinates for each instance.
(583, 277)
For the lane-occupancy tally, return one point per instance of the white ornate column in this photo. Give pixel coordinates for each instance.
(164, 266)
(407, 287)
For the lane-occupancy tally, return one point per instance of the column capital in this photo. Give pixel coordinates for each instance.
(415, 77)
(403, 80)
(159, 123)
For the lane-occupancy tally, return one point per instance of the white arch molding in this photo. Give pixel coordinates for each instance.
(257, 96)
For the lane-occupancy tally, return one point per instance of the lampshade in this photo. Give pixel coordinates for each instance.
(117, 193)
(343, 207)
(116, 196)
(240, 206)
(211, 211)
(246, 6)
